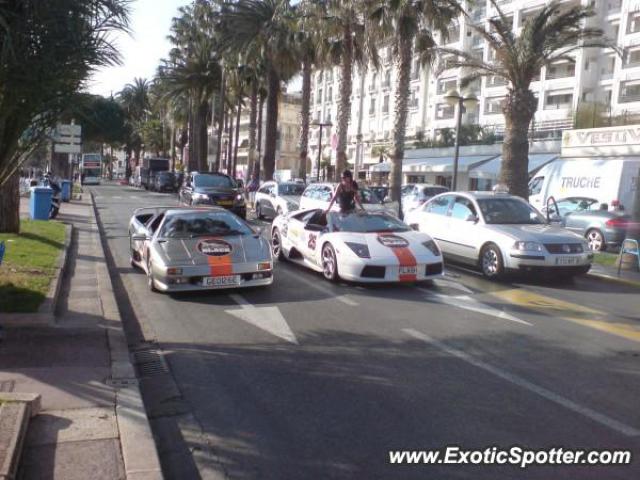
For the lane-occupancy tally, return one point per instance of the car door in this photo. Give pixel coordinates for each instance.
(269, 202)
(295, 232)
(314, 226)
(434, 221)
(151, 228)
(462, 231)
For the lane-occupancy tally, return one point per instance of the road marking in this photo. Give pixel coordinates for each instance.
(324, 289)
(527, 385)
(454, 285)
(134, 197)
(568, 311)
(116, 197)
(467, 303)
(269, 319)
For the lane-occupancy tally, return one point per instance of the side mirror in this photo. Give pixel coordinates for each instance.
(471, 218)
(138, 237)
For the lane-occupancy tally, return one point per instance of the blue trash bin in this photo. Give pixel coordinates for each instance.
(40, 203)
(65, 185)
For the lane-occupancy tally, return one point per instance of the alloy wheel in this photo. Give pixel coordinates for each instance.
(595, 240)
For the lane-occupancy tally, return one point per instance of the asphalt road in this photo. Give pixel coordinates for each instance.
(311, 380)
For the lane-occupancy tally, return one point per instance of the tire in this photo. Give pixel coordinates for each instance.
(150, 281)
(259, 214)
(491, 262)
(329, 263)
(276, 245)
(596, 240)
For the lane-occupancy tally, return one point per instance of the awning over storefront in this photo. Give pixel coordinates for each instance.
(491, 169)
(418, 164)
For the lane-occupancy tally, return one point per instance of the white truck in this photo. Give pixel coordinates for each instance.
(606, 179)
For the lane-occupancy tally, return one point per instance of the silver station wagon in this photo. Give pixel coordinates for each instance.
(498, 232)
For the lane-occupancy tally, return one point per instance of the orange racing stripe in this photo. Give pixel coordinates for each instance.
(406, 259)
(220, 266)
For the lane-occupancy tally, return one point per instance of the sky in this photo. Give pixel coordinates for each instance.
(142, 50)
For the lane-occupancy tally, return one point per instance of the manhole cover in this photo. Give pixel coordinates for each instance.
(149, 362)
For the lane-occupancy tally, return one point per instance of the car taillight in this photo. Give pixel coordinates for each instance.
(616, 222)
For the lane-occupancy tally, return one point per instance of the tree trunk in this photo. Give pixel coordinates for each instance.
(400, 121)
(202, 147)
(253, 114)
(271, 133)
(344, 107)
(519, 108)
(190, 150)
(305, 119)
(10, 204)
(359, 147)
(258, 164)
(235, 148)
(230, 149)
(220, 122)
(173, 147)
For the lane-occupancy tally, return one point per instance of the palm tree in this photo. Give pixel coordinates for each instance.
(549, 36)
(135, 101)
(403, 23)
(348, 43)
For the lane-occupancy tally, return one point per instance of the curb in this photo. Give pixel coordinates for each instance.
(136, 439)
(603, 277)
(16, 410)
(45, 316)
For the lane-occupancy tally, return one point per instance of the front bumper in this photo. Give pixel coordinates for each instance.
(388, 270)
(191, 278)
(542, 261)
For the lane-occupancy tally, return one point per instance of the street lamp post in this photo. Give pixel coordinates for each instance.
(321, 125)
(457, 100)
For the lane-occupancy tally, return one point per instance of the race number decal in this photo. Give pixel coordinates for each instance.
(312, 241)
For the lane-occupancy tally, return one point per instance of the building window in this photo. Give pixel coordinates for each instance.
(558, 100)
(444, 111)
(386, 83)
(385, 105)
(446, 84)
(414, 98)
(319, 96)
(631, 58)
(495, 81)
(629, 91)
(415, 70)
(329, 95)
(561, 70)
(615, 30)
(633, 23)
(374, 81)
(493, 105)
(372, 107)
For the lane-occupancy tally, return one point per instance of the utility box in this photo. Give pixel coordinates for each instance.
(65, 194)
(40, 203)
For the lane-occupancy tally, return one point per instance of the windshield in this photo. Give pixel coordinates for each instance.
(91, 172)
(294, 189)
(568, 205)
(213, 181)
(433, 191)
(367, 196)
(366, 223)
(503, 211)
(198, 224)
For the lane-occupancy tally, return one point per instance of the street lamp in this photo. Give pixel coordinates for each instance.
(455, 99)
(321, 125)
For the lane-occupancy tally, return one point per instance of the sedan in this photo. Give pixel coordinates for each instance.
(183, 249)
(276, 198)
(359, 246)
(601, 228)
(499, 233)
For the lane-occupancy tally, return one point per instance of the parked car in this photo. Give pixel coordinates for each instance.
(418, 194)
(276, 198)
(381, 192)
(164, 182)
(499, 232)
(582, 215)
(318, 196)
(358, 246)
(207, 188)
(186, 248)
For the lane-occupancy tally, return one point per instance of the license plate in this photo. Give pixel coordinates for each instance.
(567, 260)
(409, 270)
(225, 203)
(222, 281)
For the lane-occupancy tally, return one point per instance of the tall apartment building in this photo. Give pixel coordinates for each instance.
(287, 151)
(594, 75)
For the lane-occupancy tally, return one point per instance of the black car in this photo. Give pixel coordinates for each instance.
(209, 188)
(164, 182)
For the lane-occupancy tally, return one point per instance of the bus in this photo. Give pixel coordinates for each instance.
(91, 169)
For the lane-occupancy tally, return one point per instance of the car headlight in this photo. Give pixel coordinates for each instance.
(239, 200)
(432, 246)
(360, 249)
(528, 246)
(197, 197)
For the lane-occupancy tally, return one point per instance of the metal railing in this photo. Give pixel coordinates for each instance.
(561, 73)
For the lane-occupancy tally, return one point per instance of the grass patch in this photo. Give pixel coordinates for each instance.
(29, 264)
(606, 259)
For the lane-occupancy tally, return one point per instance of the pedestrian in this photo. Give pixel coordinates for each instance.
(346, 194)
(252, 188)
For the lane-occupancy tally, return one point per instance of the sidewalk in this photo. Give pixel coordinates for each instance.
(611, 274)
(92, 423)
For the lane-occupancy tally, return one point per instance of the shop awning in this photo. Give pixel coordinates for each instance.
(417, 164)
(491, 169)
